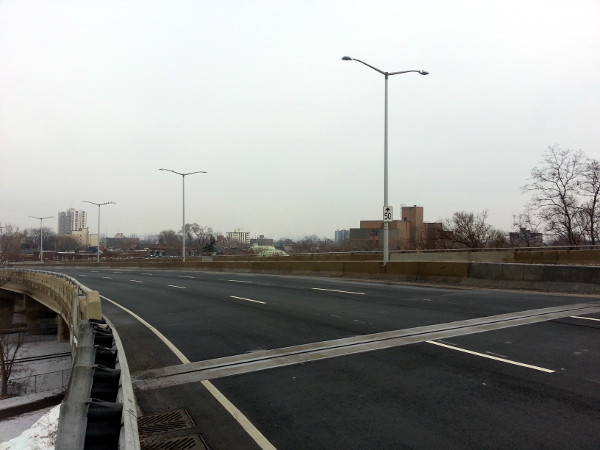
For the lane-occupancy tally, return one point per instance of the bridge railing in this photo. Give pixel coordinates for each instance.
(99, 405)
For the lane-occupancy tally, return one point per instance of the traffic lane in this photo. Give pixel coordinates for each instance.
(570, 346)
(238, 325)
(452, 300)
(436, 304)
(418, 396)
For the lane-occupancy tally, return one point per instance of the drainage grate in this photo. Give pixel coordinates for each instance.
(163, 423)
(184, 443)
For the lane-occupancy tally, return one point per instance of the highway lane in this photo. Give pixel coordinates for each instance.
(420, 395)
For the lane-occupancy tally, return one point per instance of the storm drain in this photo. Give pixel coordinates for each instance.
(164, 423)
(184, 443)
(168, 431)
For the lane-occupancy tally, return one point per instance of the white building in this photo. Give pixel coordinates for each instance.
(71, 220)
(243, 237)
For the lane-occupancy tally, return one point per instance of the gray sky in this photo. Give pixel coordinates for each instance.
(96, 96)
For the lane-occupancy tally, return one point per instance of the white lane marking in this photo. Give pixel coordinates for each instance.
(240, 281)
(176, 287)
(495, 358)
(358, 321)
(248, 300)
(107, 278)
(136, 281)
(82, 275)
(146, 273)
(336, 290)
(585, 318)
(186, 276)
(252, 431)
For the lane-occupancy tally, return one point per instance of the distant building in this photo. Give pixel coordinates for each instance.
(342, 235)
(71, 220)
(261, 241)
(243, 237)
(84, 238)
(408, 233)
(526, 238)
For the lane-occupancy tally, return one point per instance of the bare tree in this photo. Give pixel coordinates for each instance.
(528, 226)
(169, 238)
(554, 185)
(10, 243)
(200, 237)
(589, 188)
(470, 230)
(11, 342)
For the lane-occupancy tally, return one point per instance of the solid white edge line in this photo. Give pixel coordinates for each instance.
(252, 431)
(248, 300)
(336, 290)
(495, 358)
(585, 318)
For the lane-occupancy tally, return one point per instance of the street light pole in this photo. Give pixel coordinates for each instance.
(99, 205)
(385, 149)
(41, 237)
(183, 175)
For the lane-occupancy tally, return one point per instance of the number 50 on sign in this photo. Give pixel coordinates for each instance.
(388, 213)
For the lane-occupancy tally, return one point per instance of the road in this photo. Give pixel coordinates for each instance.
(297, 362)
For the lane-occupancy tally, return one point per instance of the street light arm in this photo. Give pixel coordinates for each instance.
(99, 204)
(422, 72)
(348, 58)
(183, 174)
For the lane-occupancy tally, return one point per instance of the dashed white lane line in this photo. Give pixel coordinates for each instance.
(176, 287)
(186, 276)
(107, 278)
(495, 358)
(136, 281)
(248, 299)
(147, 273)
(240, 281)
(585, 318)
(337, 290)
(239, 416)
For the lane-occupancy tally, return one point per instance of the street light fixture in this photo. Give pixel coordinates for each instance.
(41, 238)
(386, 207)
(183, 175)
(99, 205)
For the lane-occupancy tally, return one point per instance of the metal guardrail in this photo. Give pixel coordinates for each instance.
(99, 410)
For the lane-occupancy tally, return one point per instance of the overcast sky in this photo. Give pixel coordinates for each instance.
(97, 96)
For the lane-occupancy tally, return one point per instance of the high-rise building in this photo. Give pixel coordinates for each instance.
(71, 220)
(342, 235)
(243, 237)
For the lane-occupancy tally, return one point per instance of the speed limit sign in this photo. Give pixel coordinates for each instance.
(388, 213)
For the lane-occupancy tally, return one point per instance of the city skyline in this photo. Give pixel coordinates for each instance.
(98, 96)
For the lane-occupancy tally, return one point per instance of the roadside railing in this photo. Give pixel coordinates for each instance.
(99, 405)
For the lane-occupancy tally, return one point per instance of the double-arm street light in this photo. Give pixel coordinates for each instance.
(41, 238)
(183, 175)
(99, 205)
(386, 207)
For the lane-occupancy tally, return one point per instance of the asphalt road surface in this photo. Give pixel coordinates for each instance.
(301, 363)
